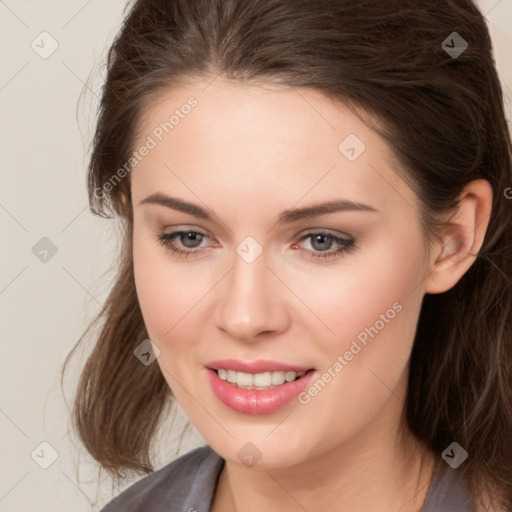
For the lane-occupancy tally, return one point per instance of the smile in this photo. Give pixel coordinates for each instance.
(260, 392)
(258, 381)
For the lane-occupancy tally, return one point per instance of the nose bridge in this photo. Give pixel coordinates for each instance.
(250, 302)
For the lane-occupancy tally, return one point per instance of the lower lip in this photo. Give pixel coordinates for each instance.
(251, 401)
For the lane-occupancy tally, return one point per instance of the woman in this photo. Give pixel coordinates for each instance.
(316, 261)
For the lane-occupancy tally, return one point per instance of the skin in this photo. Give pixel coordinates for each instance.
(246, 153)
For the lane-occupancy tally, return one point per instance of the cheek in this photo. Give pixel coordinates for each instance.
(373, 309)
(372, 302)
(165, 292)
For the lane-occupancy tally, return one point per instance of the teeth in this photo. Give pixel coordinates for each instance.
(277, 378)
(244, 379)
(258, 380)
(290, 376)
(262, 379)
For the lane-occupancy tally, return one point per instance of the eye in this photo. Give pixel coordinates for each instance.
(189, 239)
(321, 243)
(187, 243)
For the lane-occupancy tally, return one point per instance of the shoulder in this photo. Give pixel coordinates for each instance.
(448, 493)
(186, 483)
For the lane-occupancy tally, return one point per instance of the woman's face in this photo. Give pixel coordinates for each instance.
(265, 280)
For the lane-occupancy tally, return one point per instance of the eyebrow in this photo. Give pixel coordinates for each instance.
(287, 216)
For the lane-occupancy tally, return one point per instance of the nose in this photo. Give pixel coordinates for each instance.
(252, 305)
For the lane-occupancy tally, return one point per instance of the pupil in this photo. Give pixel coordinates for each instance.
(191, 237)
(322, 239)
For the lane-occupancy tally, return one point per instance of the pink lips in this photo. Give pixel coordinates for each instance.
(250, 401)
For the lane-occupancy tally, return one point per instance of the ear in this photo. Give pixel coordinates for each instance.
(461, 239)
(125, 199)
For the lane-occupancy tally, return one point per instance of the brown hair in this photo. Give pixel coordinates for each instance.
(442, 115)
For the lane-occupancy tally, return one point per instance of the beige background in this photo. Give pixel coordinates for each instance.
(46, 305)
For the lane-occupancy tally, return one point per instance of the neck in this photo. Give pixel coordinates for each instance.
(379, 469)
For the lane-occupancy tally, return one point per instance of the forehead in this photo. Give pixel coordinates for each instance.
(265, 141)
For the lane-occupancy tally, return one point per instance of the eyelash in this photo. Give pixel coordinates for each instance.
(346, 245)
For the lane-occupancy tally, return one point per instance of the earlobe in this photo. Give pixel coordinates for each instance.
(463, 237)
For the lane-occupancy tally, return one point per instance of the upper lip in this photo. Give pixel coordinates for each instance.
(259, 366)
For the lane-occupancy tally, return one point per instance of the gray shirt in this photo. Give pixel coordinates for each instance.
(188, 484)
